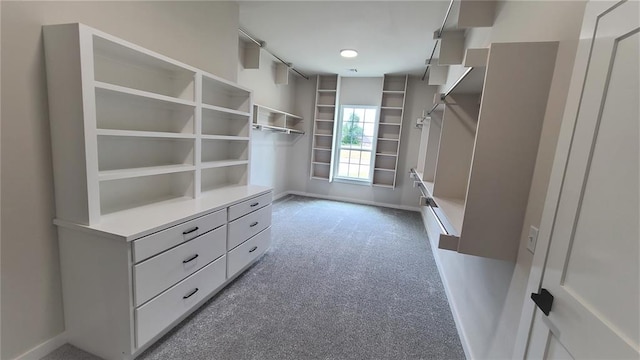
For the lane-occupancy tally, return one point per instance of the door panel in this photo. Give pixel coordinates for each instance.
(592, 268)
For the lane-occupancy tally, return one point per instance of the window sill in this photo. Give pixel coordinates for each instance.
(352, 181)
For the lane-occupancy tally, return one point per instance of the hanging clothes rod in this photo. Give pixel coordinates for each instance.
(446, 16)
(262, 44)
(443, 96)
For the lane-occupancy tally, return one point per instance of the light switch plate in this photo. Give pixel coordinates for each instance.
(532, 239)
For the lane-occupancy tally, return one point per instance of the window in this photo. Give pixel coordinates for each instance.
(356, 143)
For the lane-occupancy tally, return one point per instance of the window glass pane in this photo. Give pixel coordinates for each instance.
(357, 138)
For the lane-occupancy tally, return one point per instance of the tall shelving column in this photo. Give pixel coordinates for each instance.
(324, 122)
(389, 130)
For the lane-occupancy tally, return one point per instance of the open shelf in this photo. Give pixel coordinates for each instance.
(99, 85)
(222, 163)
(213, 178)
(276, 120)
(107, 175)
(223, 123)
(119, 110)
(125, 67)
(127, 193)
(120, 153)
(224, 150)
(220, 94)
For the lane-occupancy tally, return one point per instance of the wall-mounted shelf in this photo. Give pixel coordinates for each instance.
(266, 118)
(479, 154)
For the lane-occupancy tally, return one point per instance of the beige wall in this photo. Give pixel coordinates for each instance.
(202, 34)
(270, 151)
(488, 294)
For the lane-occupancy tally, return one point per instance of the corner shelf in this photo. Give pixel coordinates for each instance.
(266, 118)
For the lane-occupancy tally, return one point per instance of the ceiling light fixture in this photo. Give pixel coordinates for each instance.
(348, 53)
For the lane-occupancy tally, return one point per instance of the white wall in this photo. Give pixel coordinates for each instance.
(487, 295)
(364, 91)
(270, 151)
(202, 34)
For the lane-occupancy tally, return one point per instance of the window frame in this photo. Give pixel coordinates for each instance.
(337, 146)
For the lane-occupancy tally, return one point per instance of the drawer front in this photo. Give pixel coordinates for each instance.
(155, 275)
(153, 244)
(248, 251)
(248, 225)
(157, 314)
(247, 206)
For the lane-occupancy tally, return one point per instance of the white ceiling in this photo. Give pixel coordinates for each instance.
(390, 36)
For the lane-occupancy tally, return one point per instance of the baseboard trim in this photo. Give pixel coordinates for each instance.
(45, 348)
(349, 200)
(452, 304)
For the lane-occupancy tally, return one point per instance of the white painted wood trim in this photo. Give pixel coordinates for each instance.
(344, 199)
(45, 348)
(447, 289)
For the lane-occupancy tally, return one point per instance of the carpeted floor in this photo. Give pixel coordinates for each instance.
(341, 281)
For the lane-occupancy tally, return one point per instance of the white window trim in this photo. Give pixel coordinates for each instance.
(338, 142)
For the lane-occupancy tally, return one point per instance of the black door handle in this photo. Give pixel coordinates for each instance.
(544, 300)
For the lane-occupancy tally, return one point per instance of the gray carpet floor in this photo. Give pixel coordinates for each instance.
(341, 281)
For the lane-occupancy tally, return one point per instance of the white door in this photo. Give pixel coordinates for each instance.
(592, 270)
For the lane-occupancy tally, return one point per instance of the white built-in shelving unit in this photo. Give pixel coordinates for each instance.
(154, 208)
(481, 151)
(324, 126)
(266, 118)
(389, 130)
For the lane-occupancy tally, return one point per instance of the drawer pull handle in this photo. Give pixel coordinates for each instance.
(191, 293)
(190, 259)
(253, 224)
(255, 204)
(253, 249)
(190, 231)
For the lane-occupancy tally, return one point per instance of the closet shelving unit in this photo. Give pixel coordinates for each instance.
(389, 130)
(141, 129)
(324, 126)
(151, 166)
(476, 174)
(266, 118)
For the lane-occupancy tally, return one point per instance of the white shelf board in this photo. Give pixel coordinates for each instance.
(145, 94)
(320, 163)
(453, 210)
(277, 128)
(222, 163)
(383, 185)
(327, 135)
(149, 134)
(278, 111)
(388, 139)
(225, 110)
(325, 106)
(390, 124)
(387, 154)
(224, 137)
(324, 120)
(134, 223)
(322, 149)
(319, 178)
(327, 90)
(383, 169)
(393, 92)
(107, 175)
(391, 108)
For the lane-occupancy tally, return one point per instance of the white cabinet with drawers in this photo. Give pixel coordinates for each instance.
(124, 291)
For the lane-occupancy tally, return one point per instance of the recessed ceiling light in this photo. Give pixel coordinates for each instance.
(348, 53)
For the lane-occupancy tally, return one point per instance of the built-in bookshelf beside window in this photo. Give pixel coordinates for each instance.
(325, 114)
(389, 130)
